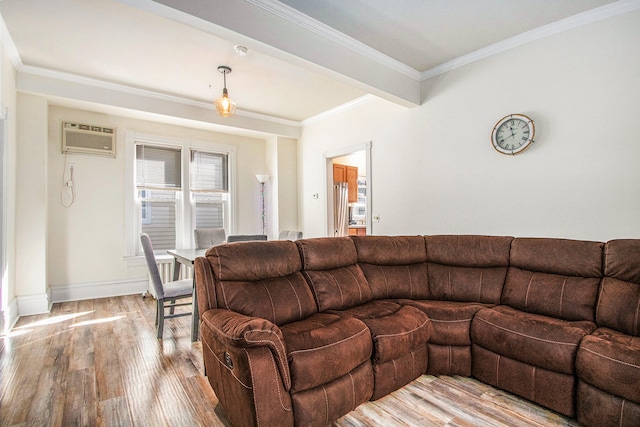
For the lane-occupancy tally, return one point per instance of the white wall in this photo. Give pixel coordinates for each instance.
(86, 242)
(8, 101)
(433, 167)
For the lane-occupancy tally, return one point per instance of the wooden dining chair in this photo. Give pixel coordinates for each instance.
(166, 293)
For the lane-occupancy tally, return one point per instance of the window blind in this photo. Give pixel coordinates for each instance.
(209, 171)
(158, 168)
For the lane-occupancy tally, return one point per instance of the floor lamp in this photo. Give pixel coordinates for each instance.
(262, 179)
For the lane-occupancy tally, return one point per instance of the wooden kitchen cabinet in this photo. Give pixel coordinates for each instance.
(357, 231)
(348, 174)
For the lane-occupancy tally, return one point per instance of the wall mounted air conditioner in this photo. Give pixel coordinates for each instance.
(80, 138)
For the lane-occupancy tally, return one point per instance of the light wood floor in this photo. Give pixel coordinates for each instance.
(98, 363)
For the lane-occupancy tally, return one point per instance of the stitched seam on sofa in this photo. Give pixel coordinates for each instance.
(636, 322)
(337, 284)
(498, 371)
(297, 297)
(526, 298)
(480, 288)
(209, 279)
(386, 282)
(533, 384)
(413, 361)
(406, 332)
(225, 366)
(449, 321)
(353, 392)
(449, 287)
(284, 364)
(273, 308)
(620, 424)
(564, 284)
(326, 404)
(329, 345)
(282, 357)
(219, 263)
(253, 381)
(527, 336)
(450, 357)
(600, 292)
(357, 283)
(255, 403)
(611, 358)
(275, 372)
(411, 293)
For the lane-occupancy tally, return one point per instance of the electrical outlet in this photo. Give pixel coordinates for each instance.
(375, 218)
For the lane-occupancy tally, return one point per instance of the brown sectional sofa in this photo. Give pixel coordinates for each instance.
(300, 333)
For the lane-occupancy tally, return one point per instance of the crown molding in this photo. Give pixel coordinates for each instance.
(304, 21)
(145, 93)
(575, 21)
(339, 109)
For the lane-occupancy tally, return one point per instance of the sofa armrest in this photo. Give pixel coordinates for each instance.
(237, 330)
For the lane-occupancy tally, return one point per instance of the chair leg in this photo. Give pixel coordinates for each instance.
(172, 309)
(160, 317)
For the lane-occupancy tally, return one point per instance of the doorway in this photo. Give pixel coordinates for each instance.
(358, 213)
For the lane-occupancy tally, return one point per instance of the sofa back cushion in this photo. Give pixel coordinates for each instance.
(329, 265)
(261, 279)
(554, 277)
(619, 299)
(394, 266)
(467, 268)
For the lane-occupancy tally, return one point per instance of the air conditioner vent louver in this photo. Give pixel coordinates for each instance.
(80, 138)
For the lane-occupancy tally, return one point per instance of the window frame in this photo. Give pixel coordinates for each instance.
(185, 209)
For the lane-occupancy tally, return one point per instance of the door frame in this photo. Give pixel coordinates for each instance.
(328, 159)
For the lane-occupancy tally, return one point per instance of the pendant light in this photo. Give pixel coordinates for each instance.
(224, 105)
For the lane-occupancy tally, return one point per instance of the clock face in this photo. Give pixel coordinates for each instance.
(513, 134)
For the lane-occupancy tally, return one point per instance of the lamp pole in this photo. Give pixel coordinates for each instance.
(263, 179)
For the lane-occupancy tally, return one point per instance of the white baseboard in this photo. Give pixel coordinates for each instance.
(33, 304)
(63, 293)
(10, 315)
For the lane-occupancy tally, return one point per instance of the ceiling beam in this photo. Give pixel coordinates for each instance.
(61, 86)
(276, 30)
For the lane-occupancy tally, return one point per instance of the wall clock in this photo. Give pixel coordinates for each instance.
(513, 134)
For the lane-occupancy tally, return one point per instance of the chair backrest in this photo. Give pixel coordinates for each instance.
(207, 237)
(246, 237)
(147, 247)
(290, 235)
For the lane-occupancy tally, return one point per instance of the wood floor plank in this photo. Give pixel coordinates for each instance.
(99, 363)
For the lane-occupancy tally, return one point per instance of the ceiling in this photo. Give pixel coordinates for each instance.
(304, 57)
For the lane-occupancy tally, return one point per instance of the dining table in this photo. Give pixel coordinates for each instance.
(188, 257)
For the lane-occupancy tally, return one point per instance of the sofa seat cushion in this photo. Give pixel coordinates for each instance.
(324, 347)
(395, 329)
(610, 361)
(533, 339)
(451, 320)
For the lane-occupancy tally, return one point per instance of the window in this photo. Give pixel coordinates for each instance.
(209, 185)
(176, 186)
(158, 182)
